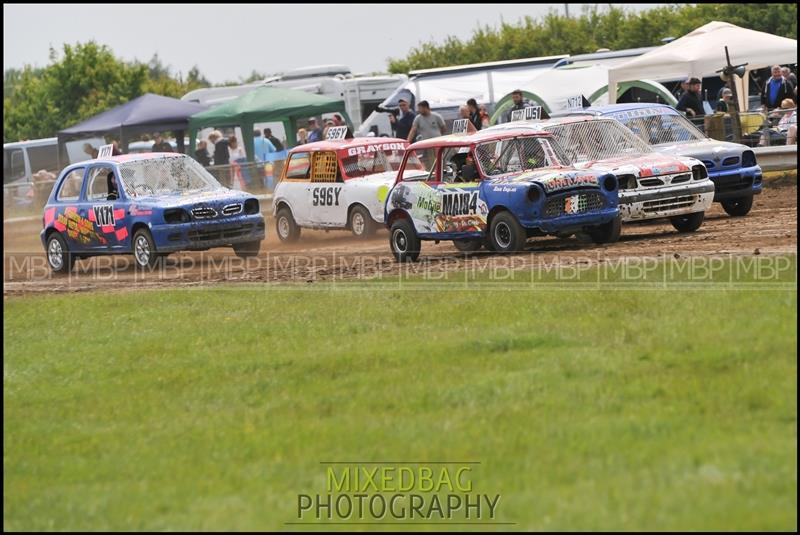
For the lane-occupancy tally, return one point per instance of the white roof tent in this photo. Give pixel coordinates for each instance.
(701, 53)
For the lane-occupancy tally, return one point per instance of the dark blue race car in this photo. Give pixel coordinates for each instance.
(148, 205)
(496, 188)
(732, 167)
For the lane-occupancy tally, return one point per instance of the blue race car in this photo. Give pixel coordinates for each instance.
(496, 188)
(148, 205)
(731, 166)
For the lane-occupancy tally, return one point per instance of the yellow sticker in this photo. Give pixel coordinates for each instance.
(383, 191)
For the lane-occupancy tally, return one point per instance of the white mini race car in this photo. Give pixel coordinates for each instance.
(336, 184)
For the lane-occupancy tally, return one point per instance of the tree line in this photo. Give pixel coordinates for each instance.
(611, 27)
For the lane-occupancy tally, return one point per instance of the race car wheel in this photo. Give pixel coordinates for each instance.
(404, 241)
(738, 207)
(248, 249)
(59, 258)
(287, 229)
(608, 233)
(361, 223)
(468, 246)
(506, 235)
(144, 249)
(687, 223)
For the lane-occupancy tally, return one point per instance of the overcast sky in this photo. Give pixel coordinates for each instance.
(227, 41)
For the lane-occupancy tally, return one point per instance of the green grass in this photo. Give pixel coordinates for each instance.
(587, 409)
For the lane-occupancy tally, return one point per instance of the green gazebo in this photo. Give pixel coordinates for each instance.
(265, 104)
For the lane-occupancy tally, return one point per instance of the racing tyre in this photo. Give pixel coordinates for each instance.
(738, 207)
(403, 241)
(248, 249)
(144, 249)
(506, 235)
(287, 229)
(608, 233)
(688, 222)
(468, 246)
(361, 223)
(59, 258)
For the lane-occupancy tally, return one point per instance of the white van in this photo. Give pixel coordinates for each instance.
(20, 161)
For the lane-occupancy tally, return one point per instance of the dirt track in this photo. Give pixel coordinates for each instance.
(770, 228)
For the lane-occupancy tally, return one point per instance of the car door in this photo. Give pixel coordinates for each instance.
(460, 208)
(328, 208)
(68, 218)
(295, 187)
(106, 207)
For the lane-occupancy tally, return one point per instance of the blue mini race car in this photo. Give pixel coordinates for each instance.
(732, 167)
(496, 189)
(148, 205)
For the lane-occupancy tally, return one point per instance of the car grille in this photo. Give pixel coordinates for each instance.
(732, 183)
(733, 160)
(709, 164)
(647, 182)
(677, 179)
(232, 209)
(204, 212)
(578, 203)
(220, 233)
(672, 203)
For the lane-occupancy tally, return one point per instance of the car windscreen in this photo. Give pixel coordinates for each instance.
(658, 128)
(165, 176)
(518, 154)
(371, 159)
(597, 140)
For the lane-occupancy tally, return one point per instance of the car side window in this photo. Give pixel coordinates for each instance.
(101, 186)
(71, 186)
(299, 166)
(325, 167)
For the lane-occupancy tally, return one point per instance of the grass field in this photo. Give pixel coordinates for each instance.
(213, 408)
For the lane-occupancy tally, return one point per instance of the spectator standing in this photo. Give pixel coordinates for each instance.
(90, 150)
(427, 123)
(776, 89)
(464, 113)
(691, 102)
(314, 131)
(519, 103)
(302, 136)
(789, 76)
(484, 115)
(201, 154)
(404, 120)
(337, 120)
(272, 139)
(262, 147)
(474, 114)
(682, 89)
(235, 152)
(160, 144)
(221, 152)
(115, 150)
(724, 103)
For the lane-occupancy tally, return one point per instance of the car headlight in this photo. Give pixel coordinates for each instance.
(534, 193)
(627, 182)
(251, 206)
(699, 172)
(748, 158)
(609, 182)
(176, 215)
